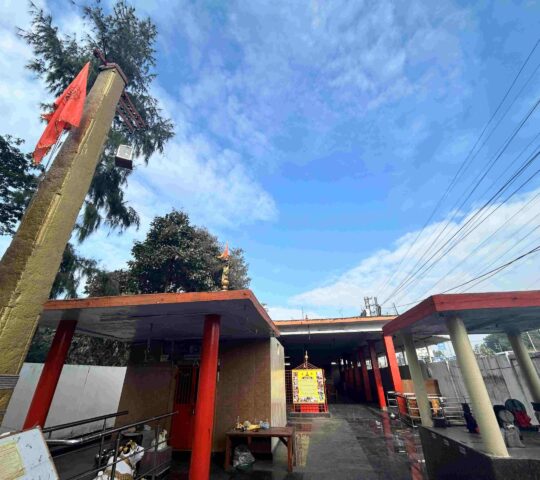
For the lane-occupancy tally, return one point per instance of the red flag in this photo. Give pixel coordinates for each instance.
(68, 109)
(225, 254)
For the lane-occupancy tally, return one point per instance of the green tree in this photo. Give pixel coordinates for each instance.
(84, 350)
(73, 269)
(498, 342)
(483, 350)
(175, 256)
(129, 41)
(18, 181)
(101, 283)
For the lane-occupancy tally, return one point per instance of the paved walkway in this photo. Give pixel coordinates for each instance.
(356, 443)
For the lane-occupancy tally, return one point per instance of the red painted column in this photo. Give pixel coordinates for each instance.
(203, 428)
(354, 386)
(393, 366)
(365, 375)
(357, 377)
(377, 375)
(43, 396)
(349, 376)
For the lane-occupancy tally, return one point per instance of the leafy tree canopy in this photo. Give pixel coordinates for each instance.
(18, 181)
(84, 350)
(498, 342)
(128, 40)
(176, 256)
(102, 283)
(73, 269)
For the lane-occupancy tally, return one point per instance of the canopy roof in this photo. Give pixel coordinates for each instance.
(482, 313)
(167, 316)
(328, 338)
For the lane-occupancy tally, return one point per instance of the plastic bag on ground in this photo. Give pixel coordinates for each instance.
(242, 459)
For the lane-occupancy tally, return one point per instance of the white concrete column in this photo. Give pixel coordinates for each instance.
(418, 380)
(526, 365)
(481, 403)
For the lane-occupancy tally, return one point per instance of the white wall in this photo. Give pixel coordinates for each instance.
(83, 391)
(501, 375)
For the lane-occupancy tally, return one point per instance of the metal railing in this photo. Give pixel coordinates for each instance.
(77, 423)
(86, 438)
(63, 426)
(448, 408)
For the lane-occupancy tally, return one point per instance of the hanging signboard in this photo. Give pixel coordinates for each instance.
(308, 386)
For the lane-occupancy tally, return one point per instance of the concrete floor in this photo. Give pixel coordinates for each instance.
(356, 442)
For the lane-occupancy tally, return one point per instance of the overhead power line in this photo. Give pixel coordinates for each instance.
(424, 267)
(475, 183)
(466, 162)
(484, 242)
(496, 270)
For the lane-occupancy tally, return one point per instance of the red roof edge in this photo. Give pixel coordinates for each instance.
(162, 298)
(423, 309)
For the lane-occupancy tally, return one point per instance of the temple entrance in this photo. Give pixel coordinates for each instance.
(185, 398)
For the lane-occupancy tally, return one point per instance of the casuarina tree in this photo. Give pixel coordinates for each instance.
(128, 40)
(18, 180)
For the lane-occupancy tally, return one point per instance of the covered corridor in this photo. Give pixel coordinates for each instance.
(325, 448)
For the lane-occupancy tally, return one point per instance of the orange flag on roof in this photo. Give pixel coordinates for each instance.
(68, 109)
(225, 254)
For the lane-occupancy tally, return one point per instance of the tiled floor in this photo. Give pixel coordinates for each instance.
(357, 442)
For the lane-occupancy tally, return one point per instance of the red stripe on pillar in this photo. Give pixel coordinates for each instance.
(199, 468)
(365, 375)
(392, 363)
(377, 375)
(44, 393)
(357, 378)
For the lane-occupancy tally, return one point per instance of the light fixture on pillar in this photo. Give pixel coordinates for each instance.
(124, 157)
(131, 119)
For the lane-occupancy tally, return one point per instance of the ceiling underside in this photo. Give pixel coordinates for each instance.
(165, 321)
(324, 348)
(481, 321)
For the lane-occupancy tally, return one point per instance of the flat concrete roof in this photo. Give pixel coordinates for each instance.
(327, 338)
(167, 316)
(345, 325)
(482, 313)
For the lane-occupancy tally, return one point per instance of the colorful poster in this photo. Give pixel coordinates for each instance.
(308, 386)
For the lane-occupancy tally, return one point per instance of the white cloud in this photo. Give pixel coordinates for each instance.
(475, 255)
(267, 76)
(20, 93)
(210, 182)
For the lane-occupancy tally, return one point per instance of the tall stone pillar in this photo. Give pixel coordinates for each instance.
(481, 403)
(526, 365)
(422, 399)
(30, 264)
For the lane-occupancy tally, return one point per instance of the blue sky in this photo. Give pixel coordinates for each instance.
(319, 136)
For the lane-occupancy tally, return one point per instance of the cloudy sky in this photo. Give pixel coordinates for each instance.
(322, 137)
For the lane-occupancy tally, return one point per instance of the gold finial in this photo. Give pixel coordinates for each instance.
(225, 273)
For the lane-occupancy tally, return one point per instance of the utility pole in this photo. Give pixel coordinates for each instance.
(29, 265)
